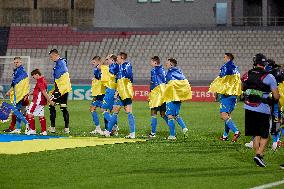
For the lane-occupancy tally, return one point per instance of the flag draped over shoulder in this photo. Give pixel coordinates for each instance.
(177, 87)
(156, 96)
(124, 81)
(125, 88)
(61, 76)
(178, 90)
(281, 92)
(97, 87)
(20, 85)
(228, 82)
(107, 78)
(157, 86)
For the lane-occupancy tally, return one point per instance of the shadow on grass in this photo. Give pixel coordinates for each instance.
(200, 172)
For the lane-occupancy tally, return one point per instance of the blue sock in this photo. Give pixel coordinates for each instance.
(282, 131)
(131, 122)
(226, 130)
(112, 121)
(95, 118)
(18, 123)
(166, 119)
(19, 115)
(25, 121)
(171, 123)
(275, 110)
(180, 122)
(154, 124)
(231, 125)
(275, 138)
(107, 115)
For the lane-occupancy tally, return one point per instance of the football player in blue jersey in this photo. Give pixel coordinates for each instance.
(98, 93)
(124, 95)
(157, 89)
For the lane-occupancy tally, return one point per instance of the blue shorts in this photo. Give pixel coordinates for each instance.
(5, 110)
(227, 104)
(173, 108)
(125, 102)
(98, 101)
(276, 111)
(108, 100)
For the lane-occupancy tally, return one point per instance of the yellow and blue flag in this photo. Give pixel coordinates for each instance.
(107, 78)
(61, 76)
(157, 86)
(124, 81)
(20, 85)
(97, 87)
(228, 82)
(281, 92)
(156, 96)
(125, 88)
(177, 87)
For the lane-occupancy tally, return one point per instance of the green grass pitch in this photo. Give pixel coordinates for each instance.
(201, 161)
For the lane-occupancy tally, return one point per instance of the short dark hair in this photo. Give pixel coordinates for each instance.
(53, 51)
(156, 59)
(96, 58)
(259, 59)
(17, 57)
(230, 55)
(36, 71)
(173, 61)
(123, 55)
(113, 57)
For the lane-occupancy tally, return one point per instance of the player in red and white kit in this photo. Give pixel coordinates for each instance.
(40, 99)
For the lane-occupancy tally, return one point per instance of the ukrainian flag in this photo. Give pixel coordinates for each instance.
(177, 90)
(228, 82)
(97, 87)
(156, 96)
(107, 79)
(125, 88)
(21, 87)
(62, 80)
(281, 92)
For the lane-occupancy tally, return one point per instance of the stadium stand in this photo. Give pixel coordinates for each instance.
(198, 51)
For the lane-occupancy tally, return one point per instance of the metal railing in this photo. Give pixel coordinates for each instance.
(275, 21)
(258, 21)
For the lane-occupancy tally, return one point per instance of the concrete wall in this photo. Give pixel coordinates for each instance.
(130, 13)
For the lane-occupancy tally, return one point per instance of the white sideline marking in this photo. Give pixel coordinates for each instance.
(269, 185)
